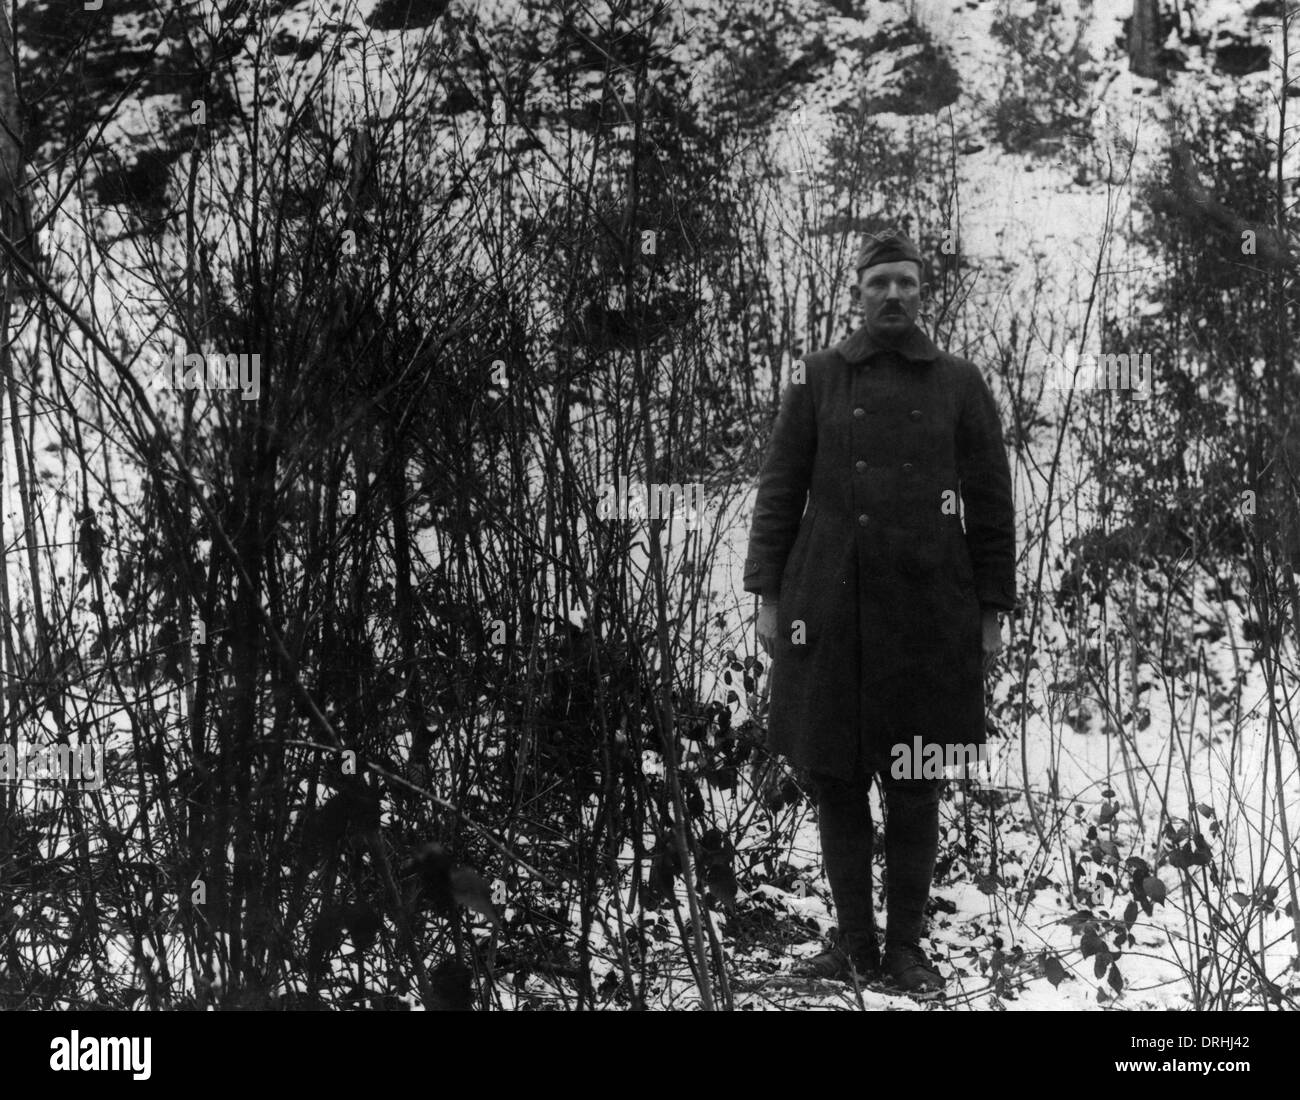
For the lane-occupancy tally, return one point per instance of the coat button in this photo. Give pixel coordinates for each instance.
(907, 467)
(859, 413)
(860, 466)
(862, 520)
(915, 414)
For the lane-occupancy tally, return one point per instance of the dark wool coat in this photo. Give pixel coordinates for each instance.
(880, 583)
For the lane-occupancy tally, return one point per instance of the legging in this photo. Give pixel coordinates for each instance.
(911, 846)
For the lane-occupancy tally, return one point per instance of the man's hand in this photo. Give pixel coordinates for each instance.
(992, 631)
(767, 625)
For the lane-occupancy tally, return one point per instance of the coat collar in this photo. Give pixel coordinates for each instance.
(860, 347)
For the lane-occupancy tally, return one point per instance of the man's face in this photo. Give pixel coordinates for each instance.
(890, 296)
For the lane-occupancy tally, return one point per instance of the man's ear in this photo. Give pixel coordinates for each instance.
(855, 292)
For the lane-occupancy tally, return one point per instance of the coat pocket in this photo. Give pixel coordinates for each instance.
(959, 555)
(794, 563)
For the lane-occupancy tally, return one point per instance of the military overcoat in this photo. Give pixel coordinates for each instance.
(883, 523)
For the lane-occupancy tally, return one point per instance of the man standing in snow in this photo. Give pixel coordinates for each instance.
(881, 597)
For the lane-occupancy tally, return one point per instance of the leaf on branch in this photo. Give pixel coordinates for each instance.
(1053, 970)
(1091, 944)
(1078, 921)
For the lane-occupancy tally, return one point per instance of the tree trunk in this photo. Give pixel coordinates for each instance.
(1144, 39)
(15, 216)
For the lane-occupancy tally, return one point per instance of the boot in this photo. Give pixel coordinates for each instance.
(844, 822)
(911, 845)
(907, 967)
(838, 963)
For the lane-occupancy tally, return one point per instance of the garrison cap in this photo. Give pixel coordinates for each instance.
(887, 247)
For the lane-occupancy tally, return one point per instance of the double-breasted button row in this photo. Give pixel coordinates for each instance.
(860, 412)
(861, 467)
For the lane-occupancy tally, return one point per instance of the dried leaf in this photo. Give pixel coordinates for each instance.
(451, 988)
(362, 923)
(1137, 866)
(471, 890)
(722, 884)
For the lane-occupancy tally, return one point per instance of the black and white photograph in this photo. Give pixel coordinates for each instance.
(786, 507)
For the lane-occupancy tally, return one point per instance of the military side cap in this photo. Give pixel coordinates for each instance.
(886, 247)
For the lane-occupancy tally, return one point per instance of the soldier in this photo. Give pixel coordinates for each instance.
(881, 599)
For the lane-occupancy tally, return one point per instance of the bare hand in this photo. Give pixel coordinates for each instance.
(767, 626)
(992, 641)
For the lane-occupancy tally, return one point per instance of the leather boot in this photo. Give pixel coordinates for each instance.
(839, 962)
(907, 966)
